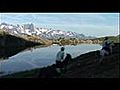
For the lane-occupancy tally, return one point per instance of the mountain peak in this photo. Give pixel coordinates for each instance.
(31, 29)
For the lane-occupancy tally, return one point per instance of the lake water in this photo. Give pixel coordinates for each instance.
(41, 57)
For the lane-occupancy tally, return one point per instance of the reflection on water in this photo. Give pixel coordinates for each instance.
(5, 53)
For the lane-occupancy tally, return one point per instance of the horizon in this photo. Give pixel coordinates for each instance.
(89, 24)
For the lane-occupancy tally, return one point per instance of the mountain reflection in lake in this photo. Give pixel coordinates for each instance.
(5, 53)
(40, 57)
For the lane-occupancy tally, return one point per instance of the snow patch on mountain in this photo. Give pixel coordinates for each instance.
(46, 33)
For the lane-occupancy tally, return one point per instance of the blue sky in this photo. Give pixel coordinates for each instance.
(90, 24)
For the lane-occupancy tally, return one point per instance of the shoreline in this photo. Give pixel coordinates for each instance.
(81, 59)
(42, 46)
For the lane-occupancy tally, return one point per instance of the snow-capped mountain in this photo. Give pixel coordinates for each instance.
(46, 33)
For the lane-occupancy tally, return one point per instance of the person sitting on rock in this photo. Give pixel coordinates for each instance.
(66, 61)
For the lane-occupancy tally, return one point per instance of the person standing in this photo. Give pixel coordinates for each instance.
(59, 58)
(106, 45)
(106, 50)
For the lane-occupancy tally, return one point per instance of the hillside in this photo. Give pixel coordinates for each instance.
(86, 66)
(83, 66)
(6, 37)
(116, 39)
(10, 44)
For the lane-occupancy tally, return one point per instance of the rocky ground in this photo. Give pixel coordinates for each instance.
(87, 66)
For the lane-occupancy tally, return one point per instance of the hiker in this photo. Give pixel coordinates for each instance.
(59, 59)
(106, 45)
(66, 61)
(106, 50)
